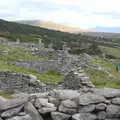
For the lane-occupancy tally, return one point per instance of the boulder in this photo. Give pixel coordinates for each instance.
(69, 104)
(87, 108)
(45, 110)
(66, 110)
(53, 100)
(107, 92)
(26, 117)
(43, 102)
(30, 109)
(40, 102)
(76, 80)
(84, 116)
(60, 116)
(11, 112)
(65, 94)
(101, 115)
(33, 78)
(89, 98)
(116, 101)
(21, 114)
(20, 95)
(38, 95)
(101, 106)
(113, 111)
(11, 104)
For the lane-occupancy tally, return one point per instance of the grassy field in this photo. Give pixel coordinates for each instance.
(111, 52)
(108, 77)
(19, 53)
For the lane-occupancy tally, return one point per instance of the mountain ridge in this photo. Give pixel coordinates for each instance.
(54, 26)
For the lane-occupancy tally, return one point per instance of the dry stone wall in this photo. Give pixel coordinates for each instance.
(40, 65)
(85, 104)
(10, 81)
(57, 104)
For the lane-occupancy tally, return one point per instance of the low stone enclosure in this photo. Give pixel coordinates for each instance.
(61, 64)
(33, 101)
(39, 65)
(10, 81)
(85, 104)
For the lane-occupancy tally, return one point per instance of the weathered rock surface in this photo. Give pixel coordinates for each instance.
(108, 92)
(60, 116)
(45, 110)
(65, 94)
(90, 98)
(113, 111)
(85, 104)
(20, 82)
(30, 109)
(101, 106)
(76, 80)
(84, 116)
(66, 110)
(87, 108)
(26, 117)
(116, 101)
(11, 104)
(11, 112)
(69, 104)
(101, 115)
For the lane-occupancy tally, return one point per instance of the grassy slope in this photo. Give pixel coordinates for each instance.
(111, 52)
(19, 53)
(102, 78)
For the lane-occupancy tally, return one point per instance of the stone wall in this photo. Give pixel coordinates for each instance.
(19, 82)
(40, 65)
(85, 104)
(63, 64)
(56, 104)
(17, 44)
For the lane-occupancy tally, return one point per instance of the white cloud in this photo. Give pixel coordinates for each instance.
(83, 13)
(93, 5)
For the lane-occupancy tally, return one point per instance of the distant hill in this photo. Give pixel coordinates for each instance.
(27, 33)
(53, 26)
(98, 31)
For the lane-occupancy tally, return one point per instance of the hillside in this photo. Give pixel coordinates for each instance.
(53, 26)
(98, 31)
(77, 43)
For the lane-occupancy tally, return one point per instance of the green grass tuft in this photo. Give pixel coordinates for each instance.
(6, 94)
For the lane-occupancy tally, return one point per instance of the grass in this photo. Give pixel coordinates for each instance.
(6, 94)
(19, 53)
(15, 53)
(101, 78)
(111, 52)
(46, 77)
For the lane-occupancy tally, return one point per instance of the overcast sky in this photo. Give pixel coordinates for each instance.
(82, 13)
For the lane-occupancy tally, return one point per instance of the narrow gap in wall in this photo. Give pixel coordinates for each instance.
(47, 116)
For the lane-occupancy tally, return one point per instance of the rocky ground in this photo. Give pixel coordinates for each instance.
(25, 95)
(84, 104)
